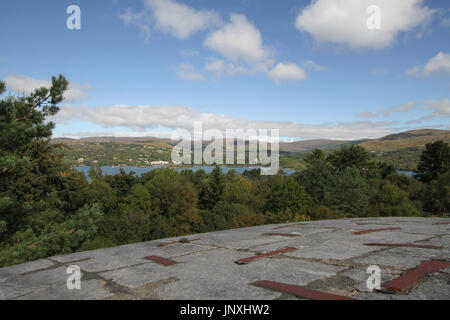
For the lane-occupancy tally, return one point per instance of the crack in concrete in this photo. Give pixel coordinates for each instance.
(57, 264)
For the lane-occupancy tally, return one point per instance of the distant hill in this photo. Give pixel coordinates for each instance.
(404, 140)
(394, 142)
(309, 145)
(157, 142)
(402, 150)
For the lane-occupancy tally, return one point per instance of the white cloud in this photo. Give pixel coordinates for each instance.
(366, 115)
(309, 64)
(284, 71)
(140, 19)
(187, 71)
(238, 40)
(145, 118)
(241, 45)
(441, 108)
(388, 111)
(121, 134)
(181, 20)
(420, 120)
(26, 85)
(171, 17)
(220, 67)
(287, 71)
(439, 64)
(215, 66)
(345, 21)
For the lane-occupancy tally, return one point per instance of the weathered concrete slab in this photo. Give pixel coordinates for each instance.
(398, 236)
(125, 256)
(220, 280)
(333, 250)
(404, 258)
(443, 241)
(360, 275)
(328, 257)
(431, 289)
(90, 290)
(32, 282)
(26, 267)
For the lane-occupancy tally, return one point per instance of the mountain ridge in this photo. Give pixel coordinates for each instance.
(392, 142)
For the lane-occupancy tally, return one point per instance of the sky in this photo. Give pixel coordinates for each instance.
(335, 69)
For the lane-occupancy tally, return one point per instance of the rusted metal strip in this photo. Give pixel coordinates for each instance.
(161, 260)
(299, 291)
(165, 244)
(281, 234)
(442, 223)
(410, 278)
(375, 230)
(260, 256)
(412, 245)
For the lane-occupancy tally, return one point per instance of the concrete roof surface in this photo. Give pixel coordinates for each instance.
(306, 260)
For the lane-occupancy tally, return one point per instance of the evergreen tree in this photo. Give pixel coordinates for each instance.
(212, 189)
(353, 156)
(434, 161)
(437, 195)
(38, 216)
(347, 193)
(286, 193)
(316, 155)
(390, 201)
(30, 167)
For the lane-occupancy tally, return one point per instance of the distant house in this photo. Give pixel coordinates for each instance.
(160, 163)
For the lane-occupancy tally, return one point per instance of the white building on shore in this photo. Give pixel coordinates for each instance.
(159, 163)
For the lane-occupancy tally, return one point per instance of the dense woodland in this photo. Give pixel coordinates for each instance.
(47, 208)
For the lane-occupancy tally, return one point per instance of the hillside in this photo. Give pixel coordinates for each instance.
(401, 150)
(157, 142)
(309, 145)
(404, 140)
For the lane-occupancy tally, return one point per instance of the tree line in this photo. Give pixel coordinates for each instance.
(48, 208)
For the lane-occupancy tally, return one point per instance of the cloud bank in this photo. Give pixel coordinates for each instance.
(439, 108)
(388, 111)
(145, 118)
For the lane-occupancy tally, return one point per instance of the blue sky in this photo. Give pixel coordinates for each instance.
(309, 68)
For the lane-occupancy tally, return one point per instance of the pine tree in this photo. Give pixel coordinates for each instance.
(37, 215)
(435, 161)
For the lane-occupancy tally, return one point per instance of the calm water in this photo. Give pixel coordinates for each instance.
(139, 171)
(407, 173)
